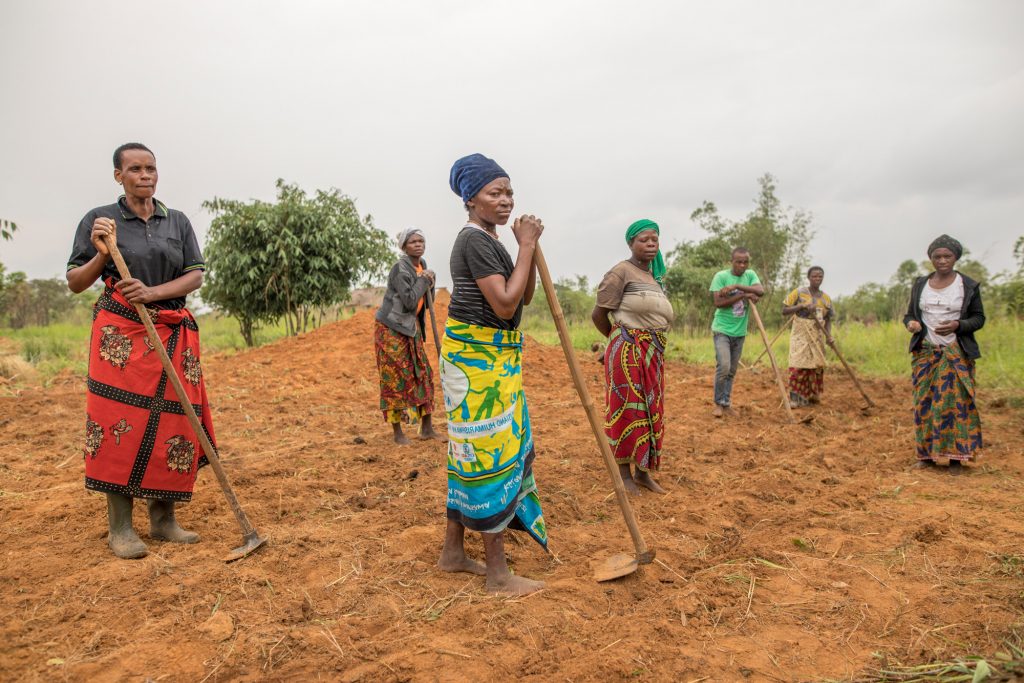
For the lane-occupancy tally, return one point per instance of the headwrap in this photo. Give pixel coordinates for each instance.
(470, 174)
(658, 264)
(946, 242)
(404, 236)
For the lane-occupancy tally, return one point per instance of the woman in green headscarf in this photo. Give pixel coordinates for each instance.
(634, 313)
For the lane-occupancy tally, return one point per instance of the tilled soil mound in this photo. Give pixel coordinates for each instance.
(784, 552)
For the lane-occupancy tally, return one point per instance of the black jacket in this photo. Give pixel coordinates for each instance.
(405, 289)
(972, 316)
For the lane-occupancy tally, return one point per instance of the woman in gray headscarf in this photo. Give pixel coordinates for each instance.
(406, 380)
(944, 313)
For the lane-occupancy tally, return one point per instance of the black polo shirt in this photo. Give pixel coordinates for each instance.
(156, 251)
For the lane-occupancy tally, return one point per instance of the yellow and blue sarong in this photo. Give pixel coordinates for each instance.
(490, 444)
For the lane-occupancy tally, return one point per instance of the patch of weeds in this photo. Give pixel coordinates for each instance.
(804, 544)
(1010, 565)
(890, 493)
(1007, 664)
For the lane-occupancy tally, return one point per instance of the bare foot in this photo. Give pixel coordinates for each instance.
(630, 486)
(454, 562)
(431, 434)
(401, 439)
(647, 481)
(510, 584)
(729, 412)
(717, 411)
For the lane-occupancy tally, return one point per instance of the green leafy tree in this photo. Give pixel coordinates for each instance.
(777, 237)
(7, 229)
(575, 296)
(291, 258)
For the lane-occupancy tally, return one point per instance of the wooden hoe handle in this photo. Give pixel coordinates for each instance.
(186, 404)
(644, 554)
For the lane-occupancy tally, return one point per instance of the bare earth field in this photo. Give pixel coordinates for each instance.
(786, 552)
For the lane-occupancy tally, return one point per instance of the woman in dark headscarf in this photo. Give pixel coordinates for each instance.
(406, 380)
(633, 295)
(944, 313)
(490, 448)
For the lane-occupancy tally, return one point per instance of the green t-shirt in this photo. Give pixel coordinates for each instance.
(732, 321)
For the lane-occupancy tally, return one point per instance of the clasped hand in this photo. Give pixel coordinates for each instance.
(136, 291)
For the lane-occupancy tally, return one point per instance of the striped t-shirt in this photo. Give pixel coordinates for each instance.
(476, 255)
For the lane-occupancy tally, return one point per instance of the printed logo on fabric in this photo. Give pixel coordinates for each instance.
(462, 452)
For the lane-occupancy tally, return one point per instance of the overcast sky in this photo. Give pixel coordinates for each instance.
(891, 122)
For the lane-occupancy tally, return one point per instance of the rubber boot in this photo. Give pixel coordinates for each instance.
(123, 540)
(163, 526)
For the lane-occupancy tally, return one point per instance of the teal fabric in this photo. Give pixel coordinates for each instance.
(732, 321)
(658, 264)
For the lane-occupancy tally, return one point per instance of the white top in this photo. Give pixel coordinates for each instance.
(941, 306)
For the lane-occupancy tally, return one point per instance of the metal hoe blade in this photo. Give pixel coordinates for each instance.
(250, 543)
(615, 567)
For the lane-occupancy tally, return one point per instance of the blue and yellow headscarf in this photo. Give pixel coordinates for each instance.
(658, 264)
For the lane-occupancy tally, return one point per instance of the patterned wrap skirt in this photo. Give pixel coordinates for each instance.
(406, 380)
(635, 396)
(490, 443)
(946, 421)
(806, 385)
(138, 441)
(806, 362)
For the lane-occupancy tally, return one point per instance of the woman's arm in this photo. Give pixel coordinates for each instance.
(408, 288)
(909, 321)
(136, 292)
(975, 319)
(504, 295)
(599, 316)
(82, 277)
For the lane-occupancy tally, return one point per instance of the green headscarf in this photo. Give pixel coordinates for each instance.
(658, 264)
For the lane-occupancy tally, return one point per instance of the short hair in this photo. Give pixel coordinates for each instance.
(119, 152)
(814, 268)
(740, 250)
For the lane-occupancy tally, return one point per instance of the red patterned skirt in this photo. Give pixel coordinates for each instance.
(635, 389)
(138, 441)
(406, 380)
(806, 385)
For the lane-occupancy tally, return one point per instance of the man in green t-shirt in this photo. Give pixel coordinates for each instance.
(731, 289)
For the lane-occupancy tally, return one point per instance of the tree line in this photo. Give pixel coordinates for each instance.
(302, 254)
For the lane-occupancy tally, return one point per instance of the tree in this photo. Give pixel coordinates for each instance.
(289, 258)
(778, 239)
(7, 229)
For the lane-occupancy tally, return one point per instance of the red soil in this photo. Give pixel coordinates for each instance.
(785, 552)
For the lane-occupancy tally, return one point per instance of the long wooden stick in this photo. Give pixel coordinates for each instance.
(433, 321)
(644, 554)
(771, 344)
(849, 370)
(771, 356)
(186, 403)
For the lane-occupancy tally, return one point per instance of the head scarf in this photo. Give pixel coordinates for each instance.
(658, 264)
(946, 242)
(470, 174)
(404, 236)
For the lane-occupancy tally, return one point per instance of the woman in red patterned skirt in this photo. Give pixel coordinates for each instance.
(633, 296)
(138, 442)
(406, 380)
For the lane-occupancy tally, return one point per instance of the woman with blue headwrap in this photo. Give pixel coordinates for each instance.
(944, 313)
(634, 313)
(490, 448)
(406, 381)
